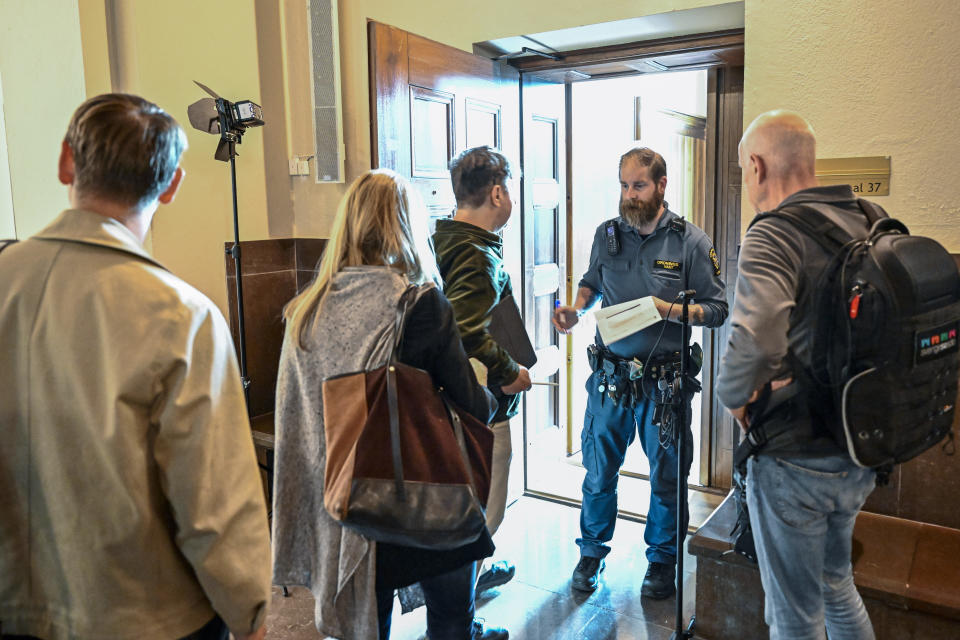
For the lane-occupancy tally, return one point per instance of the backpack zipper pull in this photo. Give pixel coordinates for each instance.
(856, 294)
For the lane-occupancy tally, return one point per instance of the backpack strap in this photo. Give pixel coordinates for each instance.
(827, 233)
(872, 210)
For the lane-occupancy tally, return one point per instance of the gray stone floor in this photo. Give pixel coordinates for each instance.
(538, 604)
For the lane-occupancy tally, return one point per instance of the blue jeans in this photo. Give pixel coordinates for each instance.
(450, 604)
(802, 513)
(608, 430)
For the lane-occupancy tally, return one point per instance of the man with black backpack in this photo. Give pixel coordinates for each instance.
(803, 490)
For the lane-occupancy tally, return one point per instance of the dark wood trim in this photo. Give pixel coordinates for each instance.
(710, 347)
(390, 70)
(717, 40)
(728, 99)
(568, 289)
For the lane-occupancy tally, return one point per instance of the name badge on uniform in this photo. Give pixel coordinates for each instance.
(669, 265)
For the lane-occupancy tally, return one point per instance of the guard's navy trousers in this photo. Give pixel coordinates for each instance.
(607, 431)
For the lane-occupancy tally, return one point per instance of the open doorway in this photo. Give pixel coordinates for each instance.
(664, 111)
(429, 101)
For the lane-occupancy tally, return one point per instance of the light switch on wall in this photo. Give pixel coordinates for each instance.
(300, 165)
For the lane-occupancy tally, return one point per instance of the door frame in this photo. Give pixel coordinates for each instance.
(715, 52)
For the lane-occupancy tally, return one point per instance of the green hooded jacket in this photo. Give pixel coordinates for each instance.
(470, 260)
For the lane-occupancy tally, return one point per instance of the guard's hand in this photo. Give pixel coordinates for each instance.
(522, 383)
(259, 634)
(564, 318)
(663, 307)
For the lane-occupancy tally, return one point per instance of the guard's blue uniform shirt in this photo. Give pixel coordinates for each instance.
(661, 264)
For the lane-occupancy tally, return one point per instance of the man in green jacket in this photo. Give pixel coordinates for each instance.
(470, 257)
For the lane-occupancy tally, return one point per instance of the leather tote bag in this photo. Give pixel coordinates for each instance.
(404, 464)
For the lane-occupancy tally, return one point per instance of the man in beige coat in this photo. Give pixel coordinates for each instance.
(130, 497)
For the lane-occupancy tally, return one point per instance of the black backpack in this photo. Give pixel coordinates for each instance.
(883, 379)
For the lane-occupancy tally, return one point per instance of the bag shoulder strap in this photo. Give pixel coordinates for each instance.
(405, 304)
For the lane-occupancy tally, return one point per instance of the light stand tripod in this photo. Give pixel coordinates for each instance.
(232, 138)
(678, 403)
(218, 115)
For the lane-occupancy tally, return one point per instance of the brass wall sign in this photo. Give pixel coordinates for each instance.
(869, 176)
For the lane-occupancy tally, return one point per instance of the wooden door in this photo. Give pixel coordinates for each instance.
(429, 102)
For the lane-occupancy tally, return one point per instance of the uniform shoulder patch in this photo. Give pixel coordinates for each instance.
(715, 260)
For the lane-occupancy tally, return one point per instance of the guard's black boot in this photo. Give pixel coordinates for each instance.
(587, 574)
(659, 581)
(478, 632)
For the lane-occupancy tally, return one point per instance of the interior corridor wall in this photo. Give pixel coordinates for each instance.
(158, 50)
(41, 67)
(874, 77)
(8, 226)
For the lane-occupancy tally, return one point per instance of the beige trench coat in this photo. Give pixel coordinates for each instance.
(130, 497)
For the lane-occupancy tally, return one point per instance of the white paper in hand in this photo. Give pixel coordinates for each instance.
(618, 321)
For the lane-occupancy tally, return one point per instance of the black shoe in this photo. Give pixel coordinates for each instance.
(658, 583)
(499, 573)
(587, 573)
(478, 632)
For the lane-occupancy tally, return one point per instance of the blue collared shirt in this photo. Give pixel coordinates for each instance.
(661, 264)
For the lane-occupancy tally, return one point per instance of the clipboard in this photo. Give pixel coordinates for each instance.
(507, 329)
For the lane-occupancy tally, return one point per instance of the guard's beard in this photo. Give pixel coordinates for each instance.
(640, 213)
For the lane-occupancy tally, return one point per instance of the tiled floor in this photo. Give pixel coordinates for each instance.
(538, 603)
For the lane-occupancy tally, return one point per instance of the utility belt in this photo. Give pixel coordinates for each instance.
(622, 379)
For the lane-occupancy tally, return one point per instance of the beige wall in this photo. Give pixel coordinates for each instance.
(8, 227)
(158, 49)
(41, 68)
(874, 77)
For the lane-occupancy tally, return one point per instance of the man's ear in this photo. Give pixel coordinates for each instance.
(662, 185)
(167, 196)
(759, 167)
(497, 194)
(66, 170)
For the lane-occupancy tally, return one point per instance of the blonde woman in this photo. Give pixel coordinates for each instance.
(378, 246)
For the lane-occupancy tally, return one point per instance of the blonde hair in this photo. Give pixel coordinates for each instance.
(380, 221)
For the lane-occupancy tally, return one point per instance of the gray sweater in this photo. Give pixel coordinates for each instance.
(773, 304)
(351, 333)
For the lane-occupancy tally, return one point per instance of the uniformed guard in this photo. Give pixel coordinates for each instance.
(647, 251)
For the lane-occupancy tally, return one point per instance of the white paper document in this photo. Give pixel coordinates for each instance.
(618, 321)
